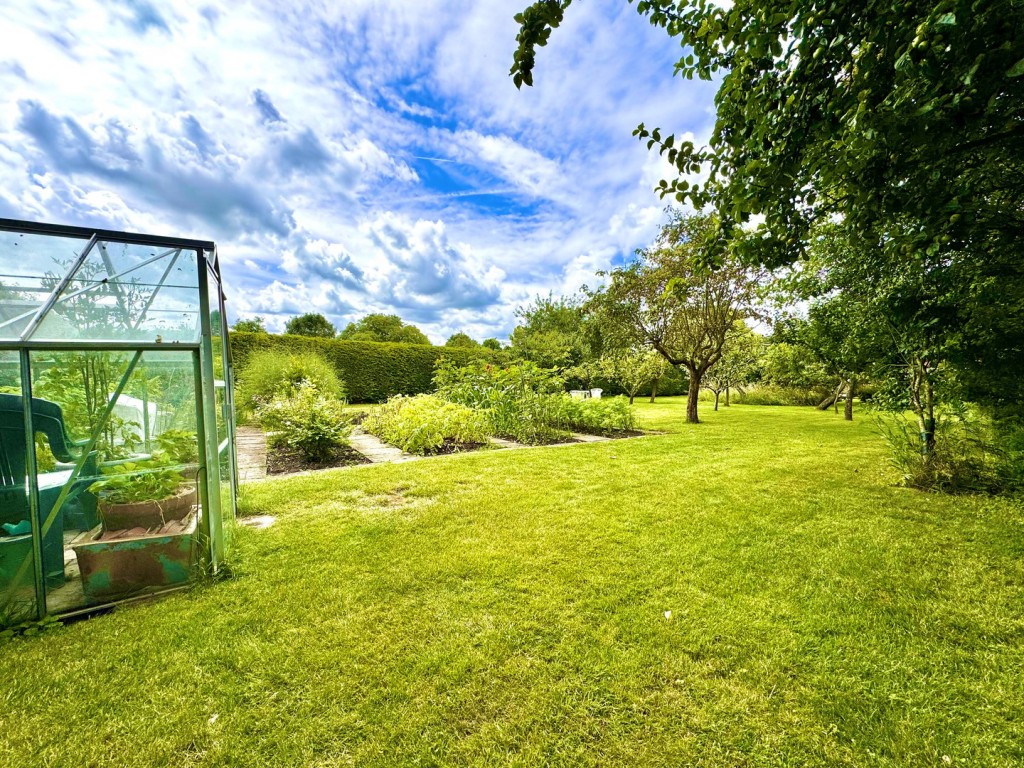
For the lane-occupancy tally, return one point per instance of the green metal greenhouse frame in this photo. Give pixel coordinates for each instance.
(114, 348)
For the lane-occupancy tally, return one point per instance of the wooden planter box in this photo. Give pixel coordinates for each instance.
(147, 514)
(117, 564)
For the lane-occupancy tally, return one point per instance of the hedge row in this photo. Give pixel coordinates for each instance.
(372, 371)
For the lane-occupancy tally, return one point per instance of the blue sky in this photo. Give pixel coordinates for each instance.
(347, 157)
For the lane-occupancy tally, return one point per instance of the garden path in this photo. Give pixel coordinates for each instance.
(376, 450)
(251, 446)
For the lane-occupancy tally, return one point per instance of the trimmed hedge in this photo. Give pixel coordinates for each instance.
(372, 371)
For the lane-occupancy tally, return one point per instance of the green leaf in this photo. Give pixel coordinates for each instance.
(1016, 70)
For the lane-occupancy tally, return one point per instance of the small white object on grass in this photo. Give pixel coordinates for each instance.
(668, 615)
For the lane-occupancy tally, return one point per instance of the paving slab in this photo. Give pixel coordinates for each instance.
(251, 449)
(501, 442)
(378, 451)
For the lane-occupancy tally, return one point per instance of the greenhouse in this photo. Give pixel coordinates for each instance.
(117, 458)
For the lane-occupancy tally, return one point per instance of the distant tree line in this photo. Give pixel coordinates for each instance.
(372, 327)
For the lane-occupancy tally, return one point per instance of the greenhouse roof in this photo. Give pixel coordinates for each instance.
(64, 285)
(112, 235)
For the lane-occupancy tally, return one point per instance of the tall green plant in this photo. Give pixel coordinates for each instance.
(308, 421)
(270, 374)
(81, 383)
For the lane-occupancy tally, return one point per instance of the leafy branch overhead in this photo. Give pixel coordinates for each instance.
(867, 108)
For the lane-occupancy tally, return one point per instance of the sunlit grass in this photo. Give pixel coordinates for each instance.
(748, 591)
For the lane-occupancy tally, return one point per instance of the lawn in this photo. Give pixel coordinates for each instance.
(751, 591)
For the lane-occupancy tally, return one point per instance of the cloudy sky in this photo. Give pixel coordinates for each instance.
(347, 157)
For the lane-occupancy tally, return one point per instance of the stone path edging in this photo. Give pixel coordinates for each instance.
(251, 444)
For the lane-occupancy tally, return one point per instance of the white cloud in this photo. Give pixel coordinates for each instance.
(295, 135)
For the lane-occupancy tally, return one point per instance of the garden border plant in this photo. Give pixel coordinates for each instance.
(427, 424)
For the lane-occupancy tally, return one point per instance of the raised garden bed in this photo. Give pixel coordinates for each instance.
(121, 563)
(450, 446)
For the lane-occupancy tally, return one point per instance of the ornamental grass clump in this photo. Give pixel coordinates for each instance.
(308, 422)
(271, 374)
(425, 424)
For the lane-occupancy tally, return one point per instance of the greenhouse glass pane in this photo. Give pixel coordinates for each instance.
(31, 267)
(17, 559)
(128, 292)
(125, 507)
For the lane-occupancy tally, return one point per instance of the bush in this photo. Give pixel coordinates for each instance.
(427, 424)
(270, 374)
(372, 371)
(532, 418)
(972, 453)
(523, 402)
(307, 421)
(607, 416)
(527, 403)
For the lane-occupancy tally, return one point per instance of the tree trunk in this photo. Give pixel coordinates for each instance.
(631, 396)
(851, 388)
(833, 398)
(691, 395)
(716, 399)
(726, 397)
(928, 433)
(922, 401)
(654, 389)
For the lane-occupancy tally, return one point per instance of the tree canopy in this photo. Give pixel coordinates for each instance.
(553, 332)
(668, 300)
(311, 324)
(868, 108)
(461, 340)
(381, 327)
(250, 325)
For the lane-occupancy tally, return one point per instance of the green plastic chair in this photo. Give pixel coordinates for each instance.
(48, 420)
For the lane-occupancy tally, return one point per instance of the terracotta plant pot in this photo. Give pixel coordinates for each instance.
(147, 514)
(118, 564)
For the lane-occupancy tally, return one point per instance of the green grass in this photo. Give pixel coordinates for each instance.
(509, 608)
